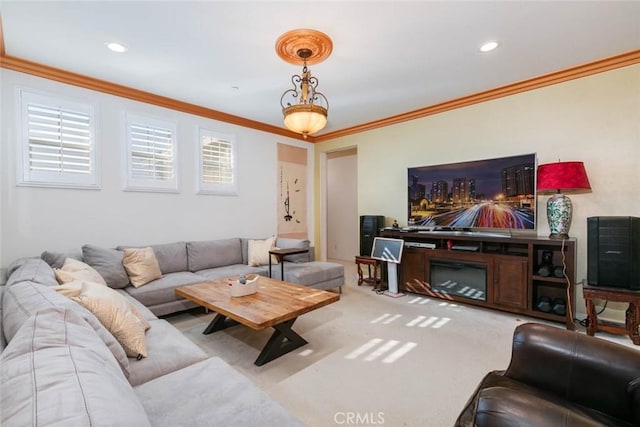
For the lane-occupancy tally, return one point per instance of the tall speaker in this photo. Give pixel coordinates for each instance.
(370, 226)
(613, 251)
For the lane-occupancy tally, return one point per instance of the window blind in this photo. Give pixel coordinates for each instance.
(151, 151)
(59, 140)
(217, 161)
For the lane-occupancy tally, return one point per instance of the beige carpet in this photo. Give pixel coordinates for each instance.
(372, 359)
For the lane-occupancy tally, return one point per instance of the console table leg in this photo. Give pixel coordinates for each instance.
(283, 340)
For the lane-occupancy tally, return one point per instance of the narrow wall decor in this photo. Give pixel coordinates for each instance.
(292, 192)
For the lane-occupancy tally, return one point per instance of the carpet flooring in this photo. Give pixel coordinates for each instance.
(371, 359)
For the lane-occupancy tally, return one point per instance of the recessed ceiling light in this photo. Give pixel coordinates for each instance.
(116, 47)
(489, 46)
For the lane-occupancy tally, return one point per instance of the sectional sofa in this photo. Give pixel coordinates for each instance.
(61, 366)
(185, 263)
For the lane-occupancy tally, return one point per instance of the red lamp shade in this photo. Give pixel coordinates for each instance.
(567, 176)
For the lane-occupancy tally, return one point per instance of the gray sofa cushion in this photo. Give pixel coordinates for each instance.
(287, 243)
(163, 289)
(310, 273)
(57, 371)
(217, 395)
(31, 270)
(107, 262)
(3, 342)
(168, 350)
(56, 259)
(22, 300)
(172, 257)
(214, 253)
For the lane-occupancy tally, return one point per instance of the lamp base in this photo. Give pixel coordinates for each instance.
(559, 213)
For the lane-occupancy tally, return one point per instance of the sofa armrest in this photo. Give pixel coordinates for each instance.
(589, 371)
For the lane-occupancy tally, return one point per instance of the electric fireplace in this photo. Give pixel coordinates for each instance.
(459, 278)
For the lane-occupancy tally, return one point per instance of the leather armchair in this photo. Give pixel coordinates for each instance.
(559, 378)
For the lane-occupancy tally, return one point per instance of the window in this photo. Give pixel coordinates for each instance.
(151, 155)
(57, 142)
(217, 163)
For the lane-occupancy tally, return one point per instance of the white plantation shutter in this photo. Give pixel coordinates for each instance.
(216, 163)
(151, 155)
(58, 142)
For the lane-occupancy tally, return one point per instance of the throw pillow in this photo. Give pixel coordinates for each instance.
(107, 262)
(141, 265)
(72, 269)
(258, 252)
(57, 259)
(117, 314)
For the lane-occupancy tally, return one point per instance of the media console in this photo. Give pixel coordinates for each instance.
(531, 276)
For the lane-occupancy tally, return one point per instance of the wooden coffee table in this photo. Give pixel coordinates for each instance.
(276, 303)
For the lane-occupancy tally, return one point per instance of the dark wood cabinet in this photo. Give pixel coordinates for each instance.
(524, 275)
(510, 281)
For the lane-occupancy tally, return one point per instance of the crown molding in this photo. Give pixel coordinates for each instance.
(63, 76)
(600, 66)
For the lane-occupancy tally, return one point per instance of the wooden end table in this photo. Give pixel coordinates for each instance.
(281, 253)
(632, 315)
(276, 304)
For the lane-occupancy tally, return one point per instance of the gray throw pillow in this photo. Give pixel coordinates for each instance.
(56, 259)
(107, 262)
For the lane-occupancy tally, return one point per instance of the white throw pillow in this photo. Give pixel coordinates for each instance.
(141, 265)
(113, 310)
(72, 269)
(258, 252)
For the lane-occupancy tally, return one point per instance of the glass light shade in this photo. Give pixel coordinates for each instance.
(305, 118)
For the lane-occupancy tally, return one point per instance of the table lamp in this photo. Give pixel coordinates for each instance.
(561, 176)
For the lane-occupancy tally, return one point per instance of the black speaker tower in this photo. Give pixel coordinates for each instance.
(613, 251)
(370, 226)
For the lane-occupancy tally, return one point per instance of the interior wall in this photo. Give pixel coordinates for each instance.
(37, 219)
(594, 119)
(342, 205)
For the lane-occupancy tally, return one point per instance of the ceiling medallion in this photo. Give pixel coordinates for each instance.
(288, 45)
(305, 110)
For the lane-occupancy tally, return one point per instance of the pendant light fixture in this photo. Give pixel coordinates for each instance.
(305, 110)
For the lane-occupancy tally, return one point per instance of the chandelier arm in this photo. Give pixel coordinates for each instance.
(290, 92)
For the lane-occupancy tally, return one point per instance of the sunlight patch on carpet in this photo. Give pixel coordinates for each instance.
(376, 348)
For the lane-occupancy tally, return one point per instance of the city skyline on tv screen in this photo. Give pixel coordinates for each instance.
(490, 193)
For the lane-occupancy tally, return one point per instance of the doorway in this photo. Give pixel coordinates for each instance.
(342, 205)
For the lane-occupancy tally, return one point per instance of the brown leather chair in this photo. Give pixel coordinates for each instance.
(559, 378)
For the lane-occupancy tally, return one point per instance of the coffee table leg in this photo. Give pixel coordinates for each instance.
(283, 340)
(219, 323)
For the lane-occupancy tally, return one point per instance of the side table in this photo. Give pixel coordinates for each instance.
(632, 317)
(281, 253)
(369, 262)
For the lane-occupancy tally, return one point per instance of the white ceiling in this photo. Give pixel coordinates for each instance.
(388, 57)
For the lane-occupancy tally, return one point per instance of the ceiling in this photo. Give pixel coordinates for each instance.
(388, 57)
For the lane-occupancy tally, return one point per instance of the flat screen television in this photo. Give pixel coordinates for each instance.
(483, 195)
